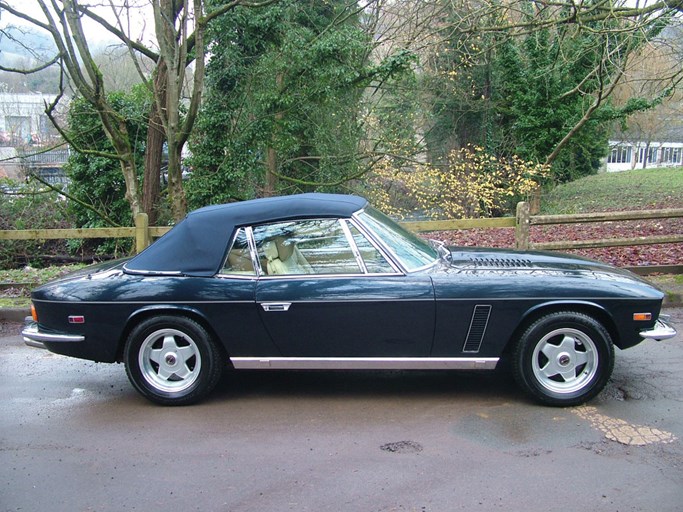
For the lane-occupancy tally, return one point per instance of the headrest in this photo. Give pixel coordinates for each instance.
(270, 250)
(285, 248)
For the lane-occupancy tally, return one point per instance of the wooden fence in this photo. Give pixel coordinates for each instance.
(142, 232)
(522, 222)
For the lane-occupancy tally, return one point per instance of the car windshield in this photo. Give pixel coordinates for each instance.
(411, 251)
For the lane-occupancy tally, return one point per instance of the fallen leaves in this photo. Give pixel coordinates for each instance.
(631, 256)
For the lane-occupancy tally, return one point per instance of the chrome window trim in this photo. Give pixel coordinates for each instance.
(153, 273)
(377, 244)
(373, 236)
(243, 277)
(247, 234)
(328, 276)
(349, 236)
(254, 251)
(352, 244)
(397, 269)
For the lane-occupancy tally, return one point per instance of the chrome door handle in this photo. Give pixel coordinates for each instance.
(276, 306)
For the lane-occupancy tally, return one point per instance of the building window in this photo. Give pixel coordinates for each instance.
(19, 127)
(620, 155)
(671, 155)
(652, 156)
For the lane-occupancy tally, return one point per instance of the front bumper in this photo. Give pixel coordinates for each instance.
(34, 337)
(661, 330)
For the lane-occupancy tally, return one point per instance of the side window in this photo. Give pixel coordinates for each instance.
(374, 261)
(239, 261)
(316, 246)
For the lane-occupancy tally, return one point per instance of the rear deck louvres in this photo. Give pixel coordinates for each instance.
(478, 324)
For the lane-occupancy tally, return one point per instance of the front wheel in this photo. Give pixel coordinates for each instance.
(172, 360)
(564, 358)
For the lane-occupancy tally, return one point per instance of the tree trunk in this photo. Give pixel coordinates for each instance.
(176, 192)
(271, 169)
(117, 133)
(271, 152)
(151, 186)
(131, 179)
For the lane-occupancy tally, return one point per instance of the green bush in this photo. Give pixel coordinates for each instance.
(30, 206)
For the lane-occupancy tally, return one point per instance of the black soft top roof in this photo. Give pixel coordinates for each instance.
(196, 246)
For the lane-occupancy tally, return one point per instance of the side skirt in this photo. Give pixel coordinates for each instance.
(365, 363)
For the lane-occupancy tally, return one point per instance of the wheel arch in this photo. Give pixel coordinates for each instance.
(540, 310)
(143, 314)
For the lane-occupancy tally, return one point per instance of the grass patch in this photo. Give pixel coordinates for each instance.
(641, 189)
(25, 279)
(36, 276)
(15, 302)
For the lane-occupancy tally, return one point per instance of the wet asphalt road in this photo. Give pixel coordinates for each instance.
(74, 436)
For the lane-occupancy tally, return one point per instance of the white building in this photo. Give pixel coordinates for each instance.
(23, 119)
(10, 165)
(625, 156)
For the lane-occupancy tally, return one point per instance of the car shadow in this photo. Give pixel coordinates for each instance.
(367, 384)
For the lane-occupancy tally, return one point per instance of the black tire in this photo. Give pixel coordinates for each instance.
(172, 360)
(564, 359)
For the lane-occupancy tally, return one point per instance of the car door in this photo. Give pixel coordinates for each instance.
(235, 319)
(327, 293)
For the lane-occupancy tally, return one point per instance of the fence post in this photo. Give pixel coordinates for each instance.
(141, 232)
(522, 224)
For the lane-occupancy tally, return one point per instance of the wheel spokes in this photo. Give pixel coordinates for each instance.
(564, 360)
(170, 360)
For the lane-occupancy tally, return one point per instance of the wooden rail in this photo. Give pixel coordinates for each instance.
(525, 221)
(142, 232)
(522, 222)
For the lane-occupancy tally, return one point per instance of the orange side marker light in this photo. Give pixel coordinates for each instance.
(642, 317)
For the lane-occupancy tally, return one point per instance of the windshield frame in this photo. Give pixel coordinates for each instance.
(407, 249)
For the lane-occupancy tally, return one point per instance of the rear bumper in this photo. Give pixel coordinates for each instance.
(34, 337)
(661, 330)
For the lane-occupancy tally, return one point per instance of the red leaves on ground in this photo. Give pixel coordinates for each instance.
(660, 254)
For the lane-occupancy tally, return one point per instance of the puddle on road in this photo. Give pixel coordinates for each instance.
(512, 425)
(621, 431)
(508, 426)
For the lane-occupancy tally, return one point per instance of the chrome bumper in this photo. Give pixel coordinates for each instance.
(661, 330)
(33, 337)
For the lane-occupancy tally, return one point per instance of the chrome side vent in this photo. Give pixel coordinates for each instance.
(478, 324)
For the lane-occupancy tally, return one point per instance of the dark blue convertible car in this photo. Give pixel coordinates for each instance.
(318, 281)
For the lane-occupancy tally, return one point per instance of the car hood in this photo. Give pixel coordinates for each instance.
(468, 260)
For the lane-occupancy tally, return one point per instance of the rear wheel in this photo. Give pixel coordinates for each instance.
(564, 358)
(172, 360)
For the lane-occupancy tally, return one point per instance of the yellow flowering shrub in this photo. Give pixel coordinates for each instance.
(472, 184)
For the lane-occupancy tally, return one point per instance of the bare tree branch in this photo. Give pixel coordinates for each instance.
(30, 71)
